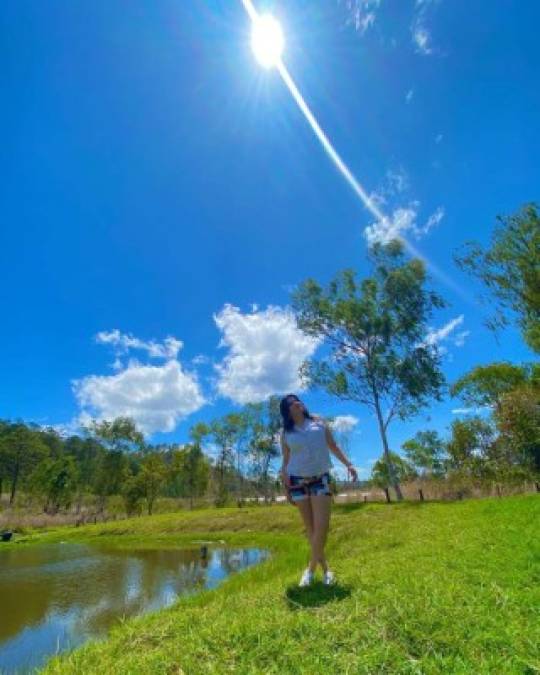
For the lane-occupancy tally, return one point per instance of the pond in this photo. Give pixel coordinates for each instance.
(55, 597)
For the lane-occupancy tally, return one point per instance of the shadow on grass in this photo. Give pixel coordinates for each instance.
(315, 595)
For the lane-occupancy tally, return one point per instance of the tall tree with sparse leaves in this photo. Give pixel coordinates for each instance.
(375, 329)
(227, 433)
(264, 422)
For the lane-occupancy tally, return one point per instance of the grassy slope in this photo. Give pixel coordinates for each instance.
(424, 588)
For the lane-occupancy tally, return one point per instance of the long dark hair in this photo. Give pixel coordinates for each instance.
(285, 404)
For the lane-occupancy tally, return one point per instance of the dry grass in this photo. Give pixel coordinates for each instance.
(433, 491)
(26, 516)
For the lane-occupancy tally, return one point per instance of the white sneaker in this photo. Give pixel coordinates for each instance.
(306, 579)
(329, 578)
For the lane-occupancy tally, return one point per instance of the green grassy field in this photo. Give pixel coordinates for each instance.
(423, 588)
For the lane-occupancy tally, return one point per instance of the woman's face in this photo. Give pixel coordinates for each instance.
(296, 407)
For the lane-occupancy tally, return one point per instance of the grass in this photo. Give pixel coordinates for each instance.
(423, 588)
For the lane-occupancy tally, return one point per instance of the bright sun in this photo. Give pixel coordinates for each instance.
(267, 40)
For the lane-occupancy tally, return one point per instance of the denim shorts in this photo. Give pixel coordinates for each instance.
(301, 487)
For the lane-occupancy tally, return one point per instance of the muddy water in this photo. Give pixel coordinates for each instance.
(55, 597)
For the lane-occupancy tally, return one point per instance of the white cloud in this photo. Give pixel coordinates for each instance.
(363, 13)
(200, 360)
(117, 365)
(383, 231)
(365, 22)
(438, 138)
(378, 199)
(156, 397)
(397, 181)
(266, 350)
(440, 334)
(459, 340)
(434, 219)
(422, 39)
(409, 96)
(403, 221)
(122, 343)
(421, 35)
(471, 411)
(344, 423)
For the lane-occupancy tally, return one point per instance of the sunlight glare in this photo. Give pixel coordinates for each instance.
(267, 40)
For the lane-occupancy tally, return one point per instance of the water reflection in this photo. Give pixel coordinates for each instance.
(55, 597)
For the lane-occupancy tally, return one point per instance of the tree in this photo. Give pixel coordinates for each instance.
(425, 451)
(87, 454)
(189, 472)
(52, 439)
(111, 472)
(242, 422)
(119, 436)
(469, 447)
(518, 420)
(226, 432)
(382, 477)
(484, 385)
(56, 480)
(264, 421)
(151, 478)
(133, 494)
(21, 449)
(4, 428)
(510, 269)
(197, 472)
(376, 330)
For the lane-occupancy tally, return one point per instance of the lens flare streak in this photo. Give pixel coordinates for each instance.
(323, 138)
(359, 190)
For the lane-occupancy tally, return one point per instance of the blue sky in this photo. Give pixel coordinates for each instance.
(158, 183)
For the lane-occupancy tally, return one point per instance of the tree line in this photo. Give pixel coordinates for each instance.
(112, 458)
(377, 354)
(501, 448)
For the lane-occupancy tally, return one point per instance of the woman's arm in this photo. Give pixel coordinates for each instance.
(286, 456)
(284, 476)
(339, 454)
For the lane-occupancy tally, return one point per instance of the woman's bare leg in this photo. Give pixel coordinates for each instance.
(320, 506)
(304, 506)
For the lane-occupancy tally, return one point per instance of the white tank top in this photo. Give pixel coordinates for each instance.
(310, 455)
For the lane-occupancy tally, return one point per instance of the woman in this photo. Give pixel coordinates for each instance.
(305, 442)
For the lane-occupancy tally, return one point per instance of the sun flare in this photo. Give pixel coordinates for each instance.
(267, 40)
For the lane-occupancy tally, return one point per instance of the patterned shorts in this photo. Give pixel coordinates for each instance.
(301, 487)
